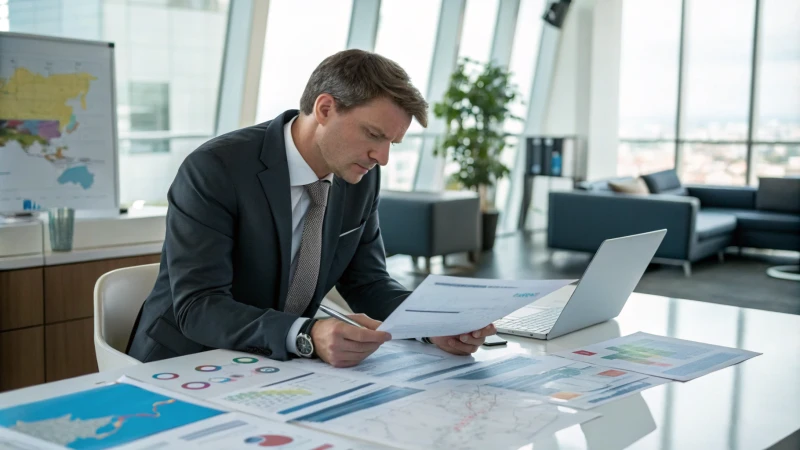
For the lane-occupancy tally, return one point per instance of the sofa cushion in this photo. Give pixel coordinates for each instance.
(754, 220)
(665, 182)
(778, 194)
(633, 186)
(738, 197)
(713, 224)
(602, 185)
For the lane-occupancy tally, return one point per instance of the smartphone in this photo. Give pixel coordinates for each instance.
(494, 340)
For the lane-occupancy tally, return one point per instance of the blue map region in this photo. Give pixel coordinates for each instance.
(79, 175)
(110, 415)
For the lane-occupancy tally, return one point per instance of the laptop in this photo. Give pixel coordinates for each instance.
(601, 293)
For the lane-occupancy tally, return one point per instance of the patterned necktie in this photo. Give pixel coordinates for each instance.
(306, 273)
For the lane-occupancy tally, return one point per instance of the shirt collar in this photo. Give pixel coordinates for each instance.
(300, 173)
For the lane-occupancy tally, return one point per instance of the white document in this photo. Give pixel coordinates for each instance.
(404, 361)
(446, 306)
(287, 399)
(478, 417)
(235, 430)
(204, 375)
(101, 417)
(486, 372)
(576, 384)
(665, 357)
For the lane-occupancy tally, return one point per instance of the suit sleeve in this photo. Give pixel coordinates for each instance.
(199, 243)
(365, 284)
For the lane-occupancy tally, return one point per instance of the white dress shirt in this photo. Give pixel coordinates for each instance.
(300, 174)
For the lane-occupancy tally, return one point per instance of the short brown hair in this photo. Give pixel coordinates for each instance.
(354, 77)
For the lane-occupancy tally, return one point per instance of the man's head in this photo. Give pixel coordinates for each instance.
(362, 103)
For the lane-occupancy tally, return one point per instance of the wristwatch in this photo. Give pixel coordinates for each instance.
(303, 342)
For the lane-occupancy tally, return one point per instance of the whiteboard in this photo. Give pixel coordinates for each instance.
(58, 124)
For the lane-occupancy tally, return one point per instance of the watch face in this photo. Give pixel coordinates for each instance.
(304, 345)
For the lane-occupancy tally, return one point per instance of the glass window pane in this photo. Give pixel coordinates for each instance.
(399, 174)
(637, 158)
(778, 92)
(719, 42)
(707, 163)
(168, 57)
(293, 49)
(406, 35)
(648, 87)
(4, 15)
(523, 59)
(477, 32)
(776, 160)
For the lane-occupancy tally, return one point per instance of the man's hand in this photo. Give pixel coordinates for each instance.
(464, 344)
(343, 345)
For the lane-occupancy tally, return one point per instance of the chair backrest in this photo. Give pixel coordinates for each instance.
(118, 296)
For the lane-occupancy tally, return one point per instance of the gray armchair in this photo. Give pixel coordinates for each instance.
(427, 224)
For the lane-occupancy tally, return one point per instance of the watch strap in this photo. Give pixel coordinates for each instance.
(306, 328)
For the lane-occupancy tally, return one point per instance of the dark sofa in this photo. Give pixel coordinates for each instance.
(700, 220)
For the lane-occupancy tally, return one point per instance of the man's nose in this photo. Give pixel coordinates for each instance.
(381, 154)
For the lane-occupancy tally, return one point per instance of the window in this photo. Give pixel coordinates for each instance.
(299, 36)
(710, 163)
(149, 111)
(648, 91)
(149, 106)
(477, 31)
(717, 92)
(168, 56)
(715, 142)
(524, 52)
(778, 92)
(4, 15)
(718, 61)
(409, 46)
(399, 174)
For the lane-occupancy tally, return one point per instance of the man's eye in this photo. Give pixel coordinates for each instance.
(373, 136)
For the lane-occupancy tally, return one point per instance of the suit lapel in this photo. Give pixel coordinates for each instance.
(275, 183)
(330, 232)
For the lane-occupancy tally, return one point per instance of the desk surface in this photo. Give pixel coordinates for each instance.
(752, 405)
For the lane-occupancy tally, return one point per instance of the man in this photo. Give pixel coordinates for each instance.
(265, 220)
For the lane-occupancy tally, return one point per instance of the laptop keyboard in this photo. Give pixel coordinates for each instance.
(540, 322)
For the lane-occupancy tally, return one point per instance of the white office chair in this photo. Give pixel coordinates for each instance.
(118, 296)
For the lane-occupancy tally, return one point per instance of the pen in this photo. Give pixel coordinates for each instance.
(337, 315)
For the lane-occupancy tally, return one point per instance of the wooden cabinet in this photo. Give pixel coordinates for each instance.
(69, 349)
(46, 320)
(21, 298)
(69, 288)
(21, 358)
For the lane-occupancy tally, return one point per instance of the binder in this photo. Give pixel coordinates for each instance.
(534, 153)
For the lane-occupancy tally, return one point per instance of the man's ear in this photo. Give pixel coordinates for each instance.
(324, 108)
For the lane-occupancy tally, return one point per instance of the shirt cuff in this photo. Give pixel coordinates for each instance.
(291, 336)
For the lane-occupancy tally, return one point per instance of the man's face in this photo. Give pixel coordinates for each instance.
(353, 142)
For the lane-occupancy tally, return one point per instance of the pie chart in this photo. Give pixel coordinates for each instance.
(269, 440)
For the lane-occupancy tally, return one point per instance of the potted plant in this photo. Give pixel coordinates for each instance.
(474, 109)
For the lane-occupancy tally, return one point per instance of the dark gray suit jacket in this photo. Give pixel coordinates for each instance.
(225, 263)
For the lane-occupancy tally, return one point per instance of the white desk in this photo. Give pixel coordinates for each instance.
(753, 405)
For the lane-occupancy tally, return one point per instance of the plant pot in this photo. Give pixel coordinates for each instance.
(489, 229)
